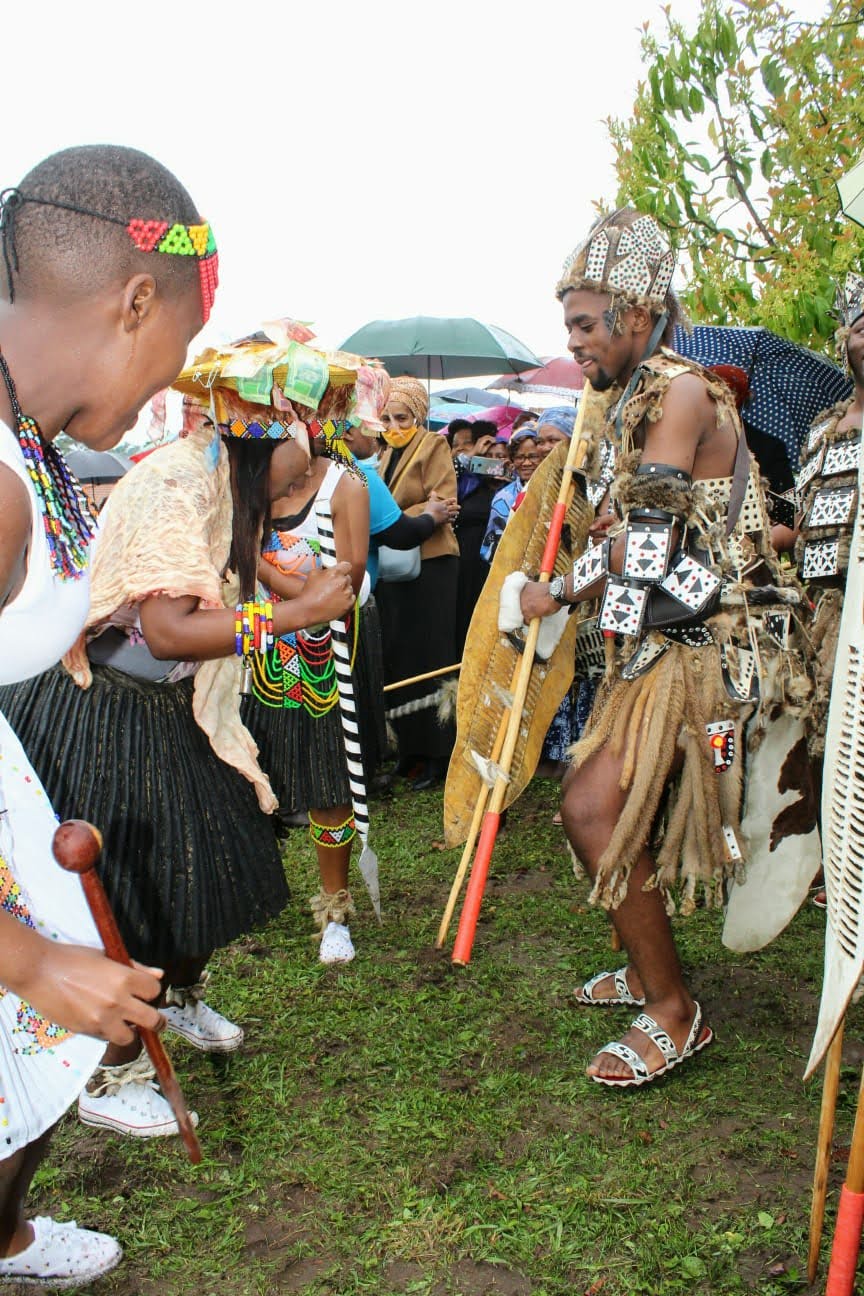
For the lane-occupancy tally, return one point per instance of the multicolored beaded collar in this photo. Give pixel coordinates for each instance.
(147, 235)
(67, 517)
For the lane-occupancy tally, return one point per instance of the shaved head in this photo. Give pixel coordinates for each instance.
(52, 251)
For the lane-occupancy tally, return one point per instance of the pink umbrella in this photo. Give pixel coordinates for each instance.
(558, 376)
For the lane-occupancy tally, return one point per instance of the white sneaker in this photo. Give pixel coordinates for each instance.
(200, 1025)
(336, 946)
(61, 1255)
(126, 1100)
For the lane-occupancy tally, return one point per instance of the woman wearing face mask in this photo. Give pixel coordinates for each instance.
(418, 617)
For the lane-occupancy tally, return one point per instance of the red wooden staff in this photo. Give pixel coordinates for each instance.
(77, 846)
(464, 942)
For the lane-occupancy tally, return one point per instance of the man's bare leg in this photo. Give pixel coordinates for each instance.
(591, 806)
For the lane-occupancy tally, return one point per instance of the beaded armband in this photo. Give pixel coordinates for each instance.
(253, 633)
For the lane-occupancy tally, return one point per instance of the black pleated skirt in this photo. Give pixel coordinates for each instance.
(190, 862)
(418, 627)
(302, 755)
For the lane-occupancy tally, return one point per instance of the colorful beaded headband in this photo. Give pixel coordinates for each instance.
(252, 429)
(147, 235)
(332, 433)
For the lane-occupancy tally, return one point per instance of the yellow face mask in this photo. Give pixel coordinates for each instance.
(398, 437)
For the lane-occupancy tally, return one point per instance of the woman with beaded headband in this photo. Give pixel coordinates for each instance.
(148, 717)
(418, 617)
(689, 588)
(293, 710)
(91, 324)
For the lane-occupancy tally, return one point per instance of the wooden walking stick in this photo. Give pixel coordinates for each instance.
(830, 1084)
(421, 679)
(77, 846)
(480, 871)
(850, 1214)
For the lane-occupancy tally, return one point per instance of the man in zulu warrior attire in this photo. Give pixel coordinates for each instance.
(699, 649)
(827, 491)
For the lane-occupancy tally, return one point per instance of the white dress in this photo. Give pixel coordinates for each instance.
(43, 1067)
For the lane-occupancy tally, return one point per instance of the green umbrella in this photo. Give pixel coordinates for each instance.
(428, 347)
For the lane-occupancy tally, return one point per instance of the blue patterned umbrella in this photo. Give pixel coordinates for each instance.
(789, 384)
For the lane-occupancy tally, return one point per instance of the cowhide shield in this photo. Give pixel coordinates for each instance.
(843, 810)
(490, 658)
(783, 848)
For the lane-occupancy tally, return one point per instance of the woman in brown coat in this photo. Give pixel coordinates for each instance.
(418, 617)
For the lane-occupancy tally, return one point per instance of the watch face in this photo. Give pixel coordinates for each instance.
(556, 589)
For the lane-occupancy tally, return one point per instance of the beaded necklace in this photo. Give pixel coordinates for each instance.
(67, 517)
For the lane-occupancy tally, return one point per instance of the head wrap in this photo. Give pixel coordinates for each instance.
(527, 432)
(411, 393)
(625, 254)
(562, 417)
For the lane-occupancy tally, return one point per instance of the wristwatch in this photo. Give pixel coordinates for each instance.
(556, 591)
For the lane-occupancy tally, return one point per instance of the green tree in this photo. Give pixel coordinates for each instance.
(736, 141)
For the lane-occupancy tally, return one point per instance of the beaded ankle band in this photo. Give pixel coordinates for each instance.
(147, 235)
(67, 517)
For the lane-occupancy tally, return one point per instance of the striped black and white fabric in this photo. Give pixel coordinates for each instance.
(368, 861)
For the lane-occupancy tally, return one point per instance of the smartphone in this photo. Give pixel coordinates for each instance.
(483, 467)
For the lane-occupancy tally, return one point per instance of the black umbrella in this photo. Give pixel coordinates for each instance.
(789, 384)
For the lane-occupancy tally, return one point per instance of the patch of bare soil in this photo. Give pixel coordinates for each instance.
(472, 1278)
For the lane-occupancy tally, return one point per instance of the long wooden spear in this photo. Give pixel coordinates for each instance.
(491, 819)
(77, 846)
(830, 1085)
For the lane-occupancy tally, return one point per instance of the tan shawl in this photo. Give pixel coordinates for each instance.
(166, 529)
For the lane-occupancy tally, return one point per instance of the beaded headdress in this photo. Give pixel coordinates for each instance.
(625, 254)
(164, 236)
(849, 299)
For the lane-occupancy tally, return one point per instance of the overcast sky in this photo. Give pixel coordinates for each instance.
(357, 160)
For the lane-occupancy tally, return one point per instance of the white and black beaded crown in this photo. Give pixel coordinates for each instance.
(624, 254)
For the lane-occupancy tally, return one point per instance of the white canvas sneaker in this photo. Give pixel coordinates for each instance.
(200, 1025)
(126, 1100)
(61, 1255)
(336, 946)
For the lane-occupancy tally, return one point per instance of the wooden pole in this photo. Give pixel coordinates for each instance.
(77, 846)
(850, 1214)
(419, 679)
(489, 831)
(830, 1084)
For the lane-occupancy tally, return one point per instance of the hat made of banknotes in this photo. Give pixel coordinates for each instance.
(625, 254)
(279, 379)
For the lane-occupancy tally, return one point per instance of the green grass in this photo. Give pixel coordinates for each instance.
(400, 1126)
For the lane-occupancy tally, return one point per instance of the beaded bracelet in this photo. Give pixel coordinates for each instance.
(253, 628)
